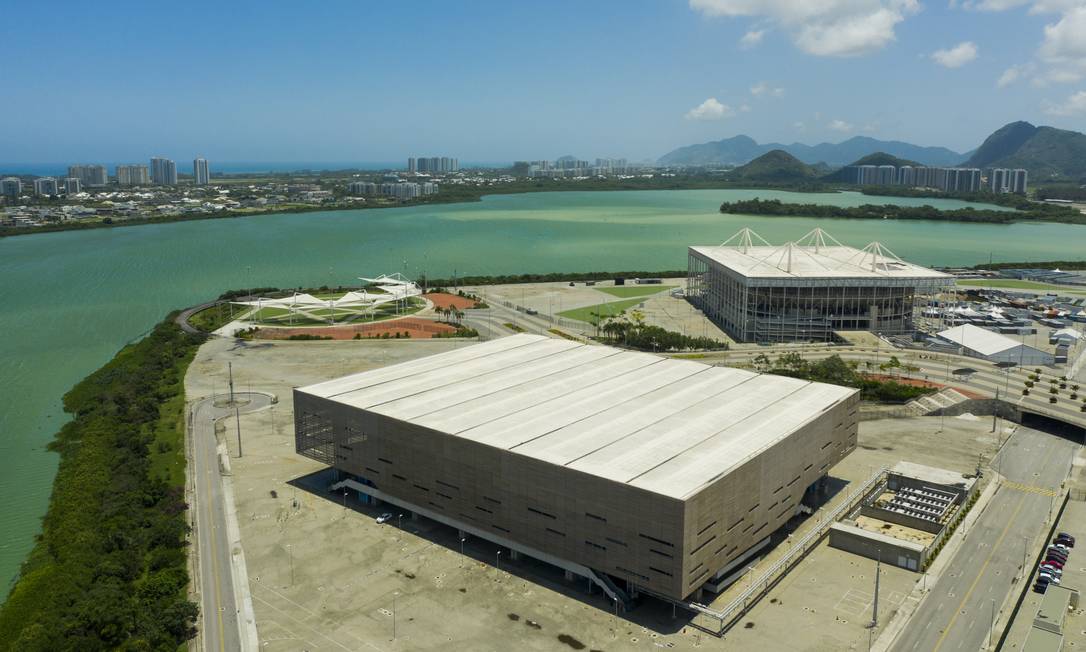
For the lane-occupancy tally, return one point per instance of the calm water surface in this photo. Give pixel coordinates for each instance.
(69, 300)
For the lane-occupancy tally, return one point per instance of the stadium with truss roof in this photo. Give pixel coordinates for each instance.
(808, 289)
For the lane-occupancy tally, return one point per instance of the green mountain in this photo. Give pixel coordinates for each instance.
(1048, 153)
(775, 166)
(742, 149)
(843, 175)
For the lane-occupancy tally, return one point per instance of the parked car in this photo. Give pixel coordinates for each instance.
(1061, 546)
(1051, 578)
(384, 518)
(1040, 587)
(1064, 540)
(1058, 572)
(1064, 535)
(1053, 561)
(1058, 552)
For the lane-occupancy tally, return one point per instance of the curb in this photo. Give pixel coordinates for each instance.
(917, 596)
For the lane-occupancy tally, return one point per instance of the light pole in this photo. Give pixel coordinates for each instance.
(498, 561)
(237, 417)
(462, 540)
(399, 521)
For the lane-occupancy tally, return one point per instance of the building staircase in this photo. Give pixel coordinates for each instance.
(945, 398)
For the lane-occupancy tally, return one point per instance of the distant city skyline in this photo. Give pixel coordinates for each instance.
(673, 74)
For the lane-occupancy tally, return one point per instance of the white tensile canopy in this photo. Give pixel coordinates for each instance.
(394, 288)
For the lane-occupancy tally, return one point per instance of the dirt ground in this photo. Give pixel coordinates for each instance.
(325, 576)
(414, 327)
(445, 300)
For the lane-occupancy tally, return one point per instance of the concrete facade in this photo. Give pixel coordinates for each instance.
(664, 489)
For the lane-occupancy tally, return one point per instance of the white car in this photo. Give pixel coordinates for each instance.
(384, 518)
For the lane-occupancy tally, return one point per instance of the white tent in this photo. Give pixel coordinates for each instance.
(394, 289)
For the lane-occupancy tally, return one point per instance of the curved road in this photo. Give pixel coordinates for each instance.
(220, 624)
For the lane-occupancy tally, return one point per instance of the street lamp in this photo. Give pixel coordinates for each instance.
(498, 560)
(462, 540)
(399, 521)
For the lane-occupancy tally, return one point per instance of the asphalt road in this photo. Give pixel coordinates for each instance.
(219, 609)
(957, 613)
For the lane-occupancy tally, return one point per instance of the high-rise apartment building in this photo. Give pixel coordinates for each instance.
(91, 176)
(1019, 181)
(11, 187)
(201, 174)
(72, 186)
(433, 164)
(45, 187)
(133, 175)
(1002, 180)
(163, 172)
(363, 187)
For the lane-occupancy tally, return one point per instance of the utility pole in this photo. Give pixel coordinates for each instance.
(230, 369)
(237, 417)
(875, 608)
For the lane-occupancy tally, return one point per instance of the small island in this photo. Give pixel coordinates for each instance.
(1033, 212)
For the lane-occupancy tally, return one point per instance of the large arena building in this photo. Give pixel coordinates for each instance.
(614, 465)
(806, 290)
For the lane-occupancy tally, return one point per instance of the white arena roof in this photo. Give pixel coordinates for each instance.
(663, 425)
(981, 340)
(803, 261)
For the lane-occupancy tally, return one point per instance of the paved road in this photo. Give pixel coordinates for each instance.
(219, 609)
(957, 613)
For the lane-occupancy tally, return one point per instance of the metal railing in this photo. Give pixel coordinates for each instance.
(726, 617)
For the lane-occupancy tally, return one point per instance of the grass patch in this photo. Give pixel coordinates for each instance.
(628, 291)
(513, 327)
(215, 317)
(604, 310)
(281, 316)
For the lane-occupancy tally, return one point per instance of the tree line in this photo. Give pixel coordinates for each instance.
(108, 570)
(836, 371)
(775, 207)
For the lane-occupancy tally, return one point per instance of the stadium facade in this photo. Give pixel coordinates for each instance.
(807, 289)
(612, 464)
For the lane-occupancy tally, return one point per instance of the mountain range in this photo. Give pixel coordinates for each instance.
(743, 149)
(1048, 153)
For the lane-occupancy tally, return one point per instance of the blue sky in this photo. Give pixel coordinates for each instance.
(497, 81)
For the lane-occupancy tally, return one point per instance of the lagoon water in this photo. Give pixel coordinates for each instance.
(69, 301)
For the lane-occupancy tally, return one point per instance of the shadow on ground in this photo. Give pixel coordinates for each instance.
(650, 613)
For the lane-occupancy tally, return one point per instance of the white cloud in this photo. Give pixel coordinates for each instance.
(1013, 74)
(710, 109)
(1074, 105)
(1062, 53)
(1064, 47)
(752, 38)
(834, 28)
(764, 89)
(957, 56)
(744, 108)
(840, 125)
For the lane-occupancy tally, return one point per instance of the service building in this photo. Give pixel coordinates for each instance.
(612, 464)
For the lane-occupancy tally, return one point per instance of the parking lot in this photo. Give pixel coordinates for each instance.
(325, 576)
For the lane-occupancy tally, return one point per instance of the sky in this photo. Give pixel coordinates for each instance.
(361, 80)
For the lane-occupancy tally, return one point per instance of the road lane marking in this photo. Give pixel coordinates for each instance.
(983, 568)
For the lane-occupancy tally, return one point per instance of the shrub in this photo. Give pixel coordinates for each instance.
(1052, 399)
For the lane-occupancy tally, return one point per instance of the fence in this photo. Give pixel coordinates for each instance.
(727, 617)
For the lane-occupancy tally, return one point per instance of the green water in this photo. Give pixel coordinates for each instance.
(69, 300)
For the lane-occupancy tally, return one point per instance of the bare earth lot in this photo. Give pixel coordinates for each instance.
(325, 576)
